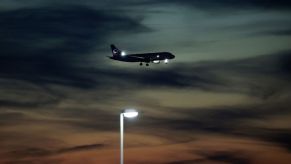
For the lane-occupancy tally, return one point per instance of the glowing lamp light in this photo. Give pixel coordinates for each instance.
(130, 113)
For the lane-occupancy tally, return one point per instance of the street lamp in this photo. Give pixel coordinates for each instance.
(128, 113)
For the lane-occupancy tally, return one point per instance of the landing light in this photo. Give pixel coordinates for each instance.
(123, 53)
(166, 60)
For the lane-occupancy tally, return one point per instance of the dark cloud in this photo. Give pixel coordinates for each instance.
(53, 79)
(285, 64)
(264, 4)
(6, 117)
(34, 161)
(28, 152)
(279, 136)
(219, 75)
(80, 148)
(176, 76)
(205, 75)
(228, 157)
(185, 161)
(33, 104)
(248, 76)
(89, 120)
(217, 156)
(40, 152)
(214, 4)
(51, 44)
(286, 32)
(230, 120)
(275, 26)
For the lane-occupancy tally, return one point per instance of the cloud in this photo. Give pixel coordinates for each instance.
(27, 161)
(41, 155)
(279, 136)
(84, 113)
(185, 161)
(224, 156)
(7, 117)
(56, 89)
(248, 76)
(80, 108)
(80, 148)
(229, 4)
(55, 49)
(35, 152)
(33, 104)
(284, 32)
(263, 4)
(48, 45)
(40, 152)
(229, 120)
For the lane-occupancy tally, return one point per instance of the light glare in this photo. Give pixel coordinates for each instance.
(123, 53)
(130, 113)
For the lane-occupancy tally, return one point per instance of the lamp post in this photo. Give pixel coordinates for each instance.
(128, 113)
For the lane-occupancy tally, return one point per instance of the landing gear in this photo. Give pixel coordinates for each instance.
(147, 64)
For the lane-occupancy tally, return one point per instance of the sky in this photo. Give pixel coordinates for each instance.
(225, 98)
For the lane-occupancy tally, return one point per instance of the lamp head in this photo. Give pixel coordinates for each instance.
(130, 113)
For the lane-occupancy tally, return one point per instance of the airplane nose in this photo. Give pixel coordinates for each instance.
(172, 56)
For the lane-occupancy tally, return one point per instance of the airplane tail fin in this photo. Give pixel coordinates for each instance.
(115, 51)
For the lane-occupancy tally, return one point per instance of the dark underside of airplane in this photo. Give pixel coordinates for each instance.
(147, 58)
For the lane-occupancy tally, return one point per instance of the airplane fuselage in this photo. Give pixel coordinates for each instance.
(147, 58)
(132, 57)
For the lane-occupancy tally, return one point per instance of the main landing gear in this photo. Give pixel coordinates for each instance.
(147, 64)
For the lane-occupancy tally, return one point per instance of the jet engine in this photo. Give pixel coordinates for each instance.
(156, 61)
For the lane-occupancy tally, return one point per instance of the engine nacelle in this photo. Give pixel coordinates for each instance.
(156, 61)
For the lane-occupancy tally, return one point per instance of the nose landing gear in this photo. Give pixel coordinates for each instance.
(147, 64)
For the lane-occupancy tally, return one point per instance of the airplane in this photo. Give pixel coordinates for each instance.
(147, 58)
